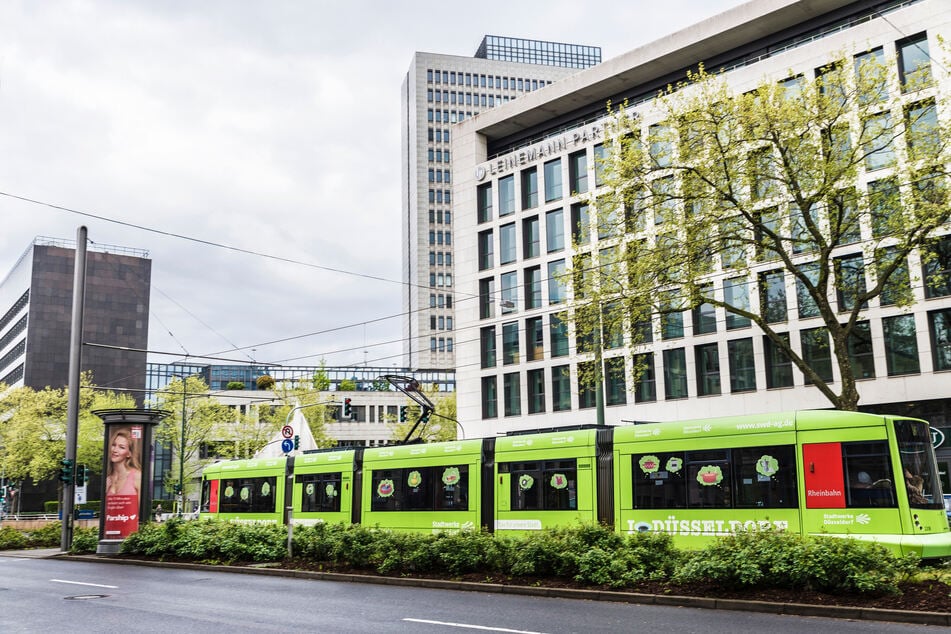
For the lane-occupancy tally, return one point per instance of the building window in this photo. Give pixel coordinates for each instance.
(533, 287)
(645, 383)
(530, 188)
(901, 345)
(484, 202)
(708, 369)
(878, 148)
(507, 252)
(486, 248)
(939, 324)
(560, 388)
(816, 352)
(850, 274)
(487, 346)
(534, 339)
(555, 230)
(556, 283)
(509, 292)
(778, 364)
(586, 385)
(671, 320)
(489, 397)
(578, 172)
(536, 391)
(558, 331)
(600, 164)
(553, 180)
(705, 315)
(486, 298)
(872, 77)
(675, 374)
(615, 381)
(736, 293)
(511, 394)
(661, 149)
(510, 352)
(914, 62)
(772, 296)
(861, 355)
(531, 244)
(432, 344)
(506, 196)
(580, 223)
(921, 130)
(897, 287)
(937, 269)
(742, 365)
(807, 305)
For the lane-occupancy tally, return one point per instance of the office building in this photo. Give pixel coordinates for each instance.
(438, 91)
(525, 171)
(36, 300)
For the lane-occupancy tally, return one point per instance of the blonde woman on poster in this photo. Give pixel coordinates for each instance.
(123, 479)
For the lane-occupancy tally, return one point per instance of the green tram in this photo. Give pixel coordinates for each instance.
(845, 474)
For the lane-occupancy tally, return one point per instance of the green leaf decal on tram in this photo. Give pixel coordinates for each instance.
(525, 482)
(649, 464)
(450, 476)
(414, 479)
(385, 488)
(767, 466)
(559, 481)
(710, 475)
(674, 464)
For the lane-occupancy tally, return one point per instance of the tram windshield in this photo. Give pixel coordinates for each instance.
(918, 464)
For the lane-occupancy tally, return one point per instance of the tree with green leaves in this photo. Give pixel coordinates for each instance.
(318, 409)
(196, 421)
(33, 428)
(442, 424)
(806, 195)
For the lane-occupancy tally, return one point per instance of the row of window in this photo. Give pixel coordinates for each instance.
(481, 80)
(901, 353)
(440, 258)
(440, 280)
(14, 310)
(437, 135)
(439, 300)
(440, 237)
(440, 322)
(438, 156)
(440, 196)
(770, 286)
(501, 195)
(439, 176)
(468, 98)
(440, 217)
(440, 344)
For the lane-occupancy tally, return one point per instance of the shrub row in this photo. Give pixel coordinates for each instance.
(589, 555)
(48, 536)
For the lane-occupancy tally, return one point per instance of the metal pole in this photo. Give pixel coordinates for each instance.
(181, 456)
(599, 376)
(75, 361)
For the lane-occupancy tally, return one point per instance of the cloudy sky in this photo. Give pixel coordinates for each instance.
(271, 127)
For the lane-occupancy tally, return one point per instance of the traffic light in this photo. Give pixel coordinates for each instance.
(347, 410)
(66, 471)
(402, 413)
(296, 442)
(81, 475)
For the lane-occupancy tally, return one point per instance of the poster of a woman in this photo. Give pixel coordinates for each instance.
(123, 480)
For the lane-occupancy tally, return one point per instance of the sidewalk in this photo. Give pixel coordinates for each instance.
(32, 553)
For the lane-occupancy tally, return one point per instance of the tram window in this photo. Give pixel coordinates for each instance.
(441, 488)
(320, 492)
(659, 481)
(765, 477)
(248, 495)
(550, 485)
(919, 469)
(708, 479)
(868, 474)
(206, 496)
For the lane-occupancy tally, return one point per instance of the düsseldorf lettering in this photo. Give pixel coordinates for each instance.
(674, 526)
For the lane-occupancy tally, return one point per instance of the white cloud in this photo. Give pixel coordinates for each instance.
(273, 127)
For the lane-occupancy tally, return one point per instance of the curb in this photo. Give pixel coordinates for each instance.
(739, 605)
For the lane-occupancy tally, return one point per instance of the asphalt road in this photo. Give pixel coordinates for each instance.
(50, 595)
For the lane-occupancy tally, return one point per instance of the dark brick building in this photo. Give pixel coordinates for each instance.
(36, 300)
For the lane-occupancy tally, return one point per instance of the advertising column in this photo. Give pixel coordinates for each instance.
(127, 473)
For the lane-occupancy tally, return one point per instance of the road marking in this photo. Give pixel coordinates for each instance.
(81, 583)
(472, 627)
